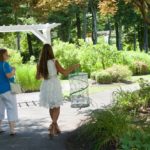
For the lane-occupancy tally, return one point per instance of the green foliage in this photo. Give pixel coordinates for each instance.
(116, 73)
(93, 75)
(136, 139)
(9, 40)
(103, 77)
(91, 57)
(97, 57)
(135, 59)
(101, 56)
(128, 101)
(140, 68)
(25, 75)
(15, 57)
(116, 127)
(104, 129)
(119, 72)
(6, 13)
(66, 53)
(145, 91)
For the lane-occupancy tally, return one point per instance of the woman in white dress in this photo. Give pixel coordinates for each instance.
(50, 92)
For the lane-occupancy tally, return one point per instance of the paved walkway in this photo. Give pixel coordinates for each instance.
(34, 121)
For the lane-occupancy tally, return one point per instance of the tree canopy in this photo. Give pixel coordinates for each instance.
(110, 6)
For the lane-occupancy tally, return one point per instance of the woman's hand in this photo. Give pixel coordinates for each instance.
(12, 74)
(13, 71)
(65, 72)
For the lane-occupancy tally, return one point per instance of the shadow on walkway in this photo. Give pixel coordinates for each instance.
(31, 135)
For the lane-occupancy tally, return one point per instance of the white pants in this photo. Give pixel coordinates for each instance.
(8, 102)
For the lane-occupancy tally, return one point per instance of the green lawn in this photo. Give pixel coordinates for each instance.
(92, 88)
(97, 89)
(136, 78)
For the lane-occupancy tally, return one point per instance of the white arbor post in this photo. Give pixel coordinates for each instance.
(40, 36)
(42, 31)
(47, 35)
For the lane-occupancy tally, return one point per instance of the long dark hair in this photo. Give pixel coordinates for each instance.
(2, 52)
(46, 54)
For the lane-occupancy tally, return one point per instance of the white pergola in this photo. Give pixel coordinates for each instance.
(42, 31)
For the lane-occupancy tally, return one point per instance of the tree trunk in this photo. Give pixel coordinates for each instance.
(140, 39)
(149, 37)
(145, 37)
(94, 22)
(84, 23)
(64, 31)
(18, 34)
(78, 24)
(134, 39)
(109, 38)
(29, 44)
(118, 36)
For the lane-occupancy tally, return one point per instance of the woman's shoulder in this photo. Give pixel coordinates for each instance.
(6, 63)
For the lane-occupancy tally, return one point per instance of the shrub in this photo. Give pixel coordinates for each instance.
(140, 68)
(136, 139)
(15, 58)
(98, 57)
(95, 57)
(119, 72)
(131, 57)
(93, 75)
(133, 100)
(66, 53)
(104, 129)
(116, 127)
(115, 73)
(25, 75)
(128, 101)
(103, 77)
(112, 129)
(91, 57)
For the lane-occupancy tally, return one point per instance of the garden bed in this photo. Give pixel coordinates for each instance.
(124, 125)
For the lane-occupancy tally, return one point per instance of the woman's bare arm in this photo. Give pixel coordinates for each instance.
(10, 75)
(65, 72)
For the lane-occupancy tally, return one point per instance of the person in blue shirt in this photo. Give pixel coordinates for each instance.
(7, 99)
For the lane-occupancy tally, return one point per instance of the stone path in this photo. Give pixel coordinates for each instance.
(34, 121)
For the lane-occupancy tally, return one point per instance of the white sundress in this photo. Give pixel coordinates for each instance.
(51, 91)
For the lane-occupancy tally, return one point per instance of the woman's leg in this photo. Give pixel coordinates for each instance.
(51, 113)
(56, 114)
(0, 125)
(11, 107)
(2, 112)
(12, 127)
(55, 119)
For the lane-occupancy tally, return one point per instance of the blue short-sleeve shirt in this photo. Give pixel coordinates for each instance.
(5, 68)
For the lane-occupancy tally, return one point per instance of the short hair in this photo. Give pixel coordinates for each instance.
(2, 52)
